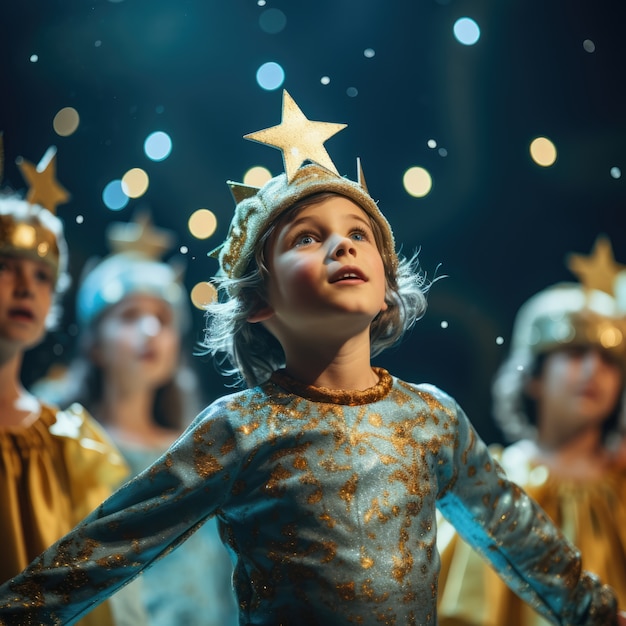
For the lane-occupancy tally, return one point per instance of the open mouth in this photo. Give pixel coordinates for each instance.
(348, 274)
(21, 314)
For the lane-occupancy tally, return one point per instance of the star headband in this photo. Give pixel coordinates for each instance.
(300, 140)
(576, 314)
(133, 268)
(30, 228)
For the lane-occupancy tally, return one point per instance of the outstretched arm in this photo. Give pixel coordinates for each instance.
(509, 529)
(142, 521)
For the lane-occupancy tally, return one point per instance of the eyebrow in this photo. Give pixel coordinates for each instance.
(364, 219)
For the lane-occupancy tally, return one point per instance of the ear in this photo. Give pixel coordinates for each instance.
(261, 315)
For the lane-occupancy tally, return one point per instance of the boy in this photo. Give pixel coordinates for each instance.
(325, 476)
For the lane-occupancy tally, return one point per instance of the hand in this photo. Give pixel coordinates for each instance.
(621, 618)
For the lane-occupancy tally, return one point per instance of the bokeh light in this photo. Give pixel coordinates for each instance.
(369, 53)
(352, 92)
(157, 146)
(589, 46)
(616, 172)
(34, 58)
(66, 122)
(114, 197)
(466, 31)
(202, 223)
(135, 182)
(543, 151)
(272, 21)
(202, 294)
(325, 80)
(417, 182)
(257, 176)
(270, 76)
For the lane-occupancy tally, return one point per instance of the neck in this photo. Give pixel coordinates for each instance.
(17, 406)
(340, 365)
(126, 410)
(10, 366)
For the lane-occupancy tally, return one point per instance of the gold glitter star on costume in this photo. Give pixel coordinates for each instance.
(299, 138)
(139, 236)
(44, 188)
(599, 269)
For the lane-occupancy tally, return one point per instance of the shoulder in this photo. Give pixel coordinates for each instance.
(74, 421)
(430, 395)
(235, 408)
(86, 445)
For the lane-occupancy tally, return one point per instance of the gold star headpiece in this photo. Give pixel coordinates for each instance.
(134, 267)
(30, 227)
(576, 314)
(597, 270)
(308, 171)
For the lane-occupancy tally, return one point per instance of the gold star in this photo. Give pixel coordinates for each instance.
(298, 138)
(599, 269)
(139, 236)
(241, 192)
(44, 188)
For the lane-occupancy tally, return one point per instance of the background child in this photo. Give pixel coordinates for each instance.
(133, 314)
(559, 397)
(55, 466)
(324, 477)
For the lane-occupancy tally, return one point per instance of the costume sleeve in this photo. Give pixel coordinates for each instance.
(509, 529)
(142, 521)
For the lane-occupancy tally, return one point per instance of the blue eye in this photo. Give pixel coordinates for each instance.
(359, 235)
(303, 240)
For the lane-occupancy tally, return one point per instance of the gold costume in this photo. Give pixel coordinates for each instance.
(52, 474)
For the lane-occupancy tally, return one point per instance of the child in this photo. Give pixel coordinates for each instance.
(55, 466)
(559, 398)
(325, 476)
(133, 314)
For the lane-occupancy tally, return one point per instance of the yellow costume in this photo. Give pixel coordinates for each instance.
(52, 473)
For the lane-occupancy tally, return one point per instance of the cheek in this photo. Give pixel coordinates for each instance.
(117, 343)
(613, 385)
(170, 345)
(296, 276)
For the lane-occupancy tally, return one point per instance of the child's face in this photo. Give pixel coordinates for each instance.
(138, 343)
(26, 292)
(325, 270)
(578, 387)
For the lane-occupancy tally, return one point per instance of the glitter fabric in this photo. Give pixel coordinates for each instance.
(329, 510)
(591, 512)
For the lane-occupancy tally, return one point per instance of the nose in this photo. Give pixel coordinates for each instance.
(594, 360)
(341, 246)
(149, 325)
(23, 285)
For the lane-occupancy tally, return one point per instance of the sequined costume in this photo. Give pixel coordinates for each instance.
(193, 585)
(53, 472)
(327, 498)
(592, 513)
